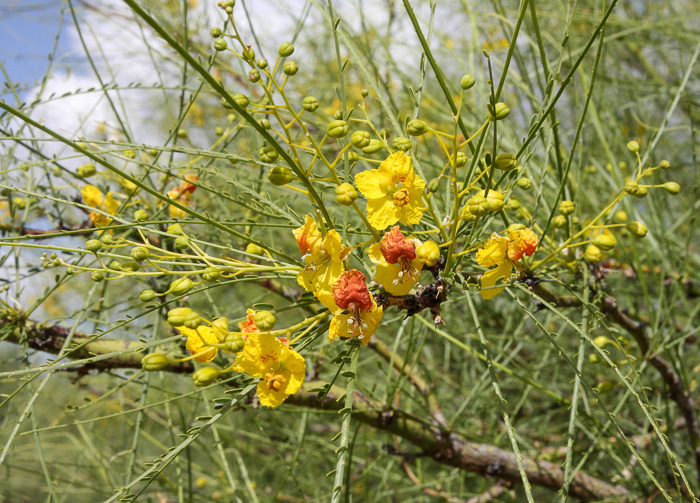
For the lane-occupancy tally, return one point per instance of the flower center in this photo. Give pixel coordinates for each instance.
(401, 197)
(274, 381)
(407, 272)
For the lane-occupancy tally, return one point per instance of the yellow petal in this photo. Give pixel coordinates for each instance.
(259, 349)
(397, 167)
(111, 205)
(308, 236)
(92, 196)
(333, 245)
(269, 397)
(294, 370)
(198, 340)
(376, 256)
(493, 252)
(382, 213)
(490, 278)
(372, 184)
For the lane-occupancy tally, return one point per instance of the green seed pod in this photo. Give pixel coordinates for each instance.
(175, 229)
(605, 242)
(665, 164)
(353, 157)
(501, 111)
(115, 265)
(401, 143)
(215, 32)
(205, 376)
(559, 221)
(524, 183)
(467, 82)
(268, 154)
(182, 242)
(416, 127)
(153, 362)
(264, 320)
(97, 276)
(286, 50)
(280, 175)
(593, 254)
(633, 147)
(140, 215)
(433, 185)
(345, 194)
(637, 229)
(262, 63)
(373, 147)
(506, 162)
(181, 286)
(338, 129)
(290, 68)
(310, 104)
(241, 99)
(631, 187)
(147, 295)
(86, 170)
(254, 249)
(461, 159)
(360, 139)
(211, 274)
(428, 253)
(178, 316)
(139, 254)
(672, 188)
(478, 206)
(254, 75)
(566, 207)
(220, 44)
(131, 266)
(233, 343)
(93, 245)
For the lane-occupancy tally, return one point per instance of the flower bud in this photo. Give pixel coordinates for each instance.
(605, 242)
(516, 227)
(249, 54)
(506, 162)
(416, 127)
(353, 157)
(672, 188)
(513, 204)
(373, 147)
(97, 276)
(566, 207)
(220, 44)
(433, 185)
(280, 175)
(631, 187)
(211, 274)
(130, 154)
(183, 316)
(254, 75)
(215, 32)
(401, 143)
(360, 139)
(466, 215)
(265, 123)
(345, 194)
(338, 129)
(268, 154)
(234, 343)
(205, 376)
(181, 286)
(147, 295)
(467, 82)
(86, 170)
(182, 242)
(605, 386)
(154, 361)
(290, 68)
(286, 50)
(478, 206)
(364, 93)
(461, 159)
(428, 253)
(495, 199)
(131, 266)
(601, 341)
(262, 63)
(175, 229)
(665, 164)
(593, 254)
(633, 146)
(107, 239)
(264, 320)
(500, 112)
(115, 265)
(559, 221)
(241, 100)
(338, 115)
(93, 245)
(310, 104)
(254, 249)
(524, 183)
(140, 215)
(620, 216)
(139, 253)
(637, 229)
(641, 192)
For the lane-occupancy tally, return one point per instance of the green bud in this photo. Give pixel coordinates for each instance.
(373, 147)
(115, 265)
(265, 123)
(428, 253)
(86, 170)
(401, 143)
(262, 63)
(478, 206)
(93, 245)
(153, 362)
(506, 162)
(605, 242)
(280, 175)
(254, 75)
(220, 44)
(182, 133)
(249, 54)
(605, 386)
(466, 215)
(433, 185)
(264, 320)
(364, 93)
(672, 188)
(345, 194)
(97, 276)
(338, 129)
(268, 154)
(131, 266)
(219, 131)
(461, 159)
(360, 139)
(139, 254)
(467, 82)
(286, 50)
(593, 254)
(665, 164)
(140, 215)
(566, 207)
(205, 376)
(637, 229)
(524, 183)
(233, 343)
(633, 146)
(175, 229)
(642, 192)
(181, 286)
(290, 68)
(182, 242)
(130, 154)
(500, 112)
(559, 221)
(70, 271)
(241, 100)
(620, 216)
(147, 295)
(416, 127)
(107, 239)
(254, 249)
(601, 341)
(631, 187)
(353, 157)
(513, 204)
(310, 104)
(211, 274)
(226, 105)
(516, 227)
(215, 32)
(338, 115)
(183, 316)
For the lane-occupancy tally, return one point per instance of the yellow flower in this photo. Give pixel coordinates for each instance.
(92, 196)
(280, 368)
(393, 192)
(357, 314)
(308, 236)
(325, 265)
(398, 267)
(503, 252)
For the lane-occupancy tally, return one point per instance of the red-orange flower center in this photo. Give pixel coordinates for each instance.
(350, 291)
(394, 246)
